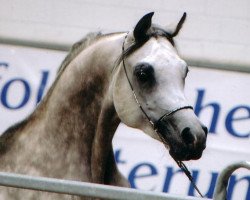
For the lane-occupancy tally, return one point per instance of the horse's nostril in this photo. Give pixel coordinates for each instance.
(187, 135)
(205, 129)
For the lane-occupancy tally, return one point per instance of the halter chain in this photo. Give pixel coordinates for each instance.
(179, 163)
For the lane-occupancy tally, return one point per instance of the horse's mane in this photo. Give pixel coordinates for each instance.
(77, 48)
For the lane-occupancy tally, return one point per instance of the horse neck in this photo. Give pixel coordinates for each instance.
(67, 127)
(77, 97)
(72, 110)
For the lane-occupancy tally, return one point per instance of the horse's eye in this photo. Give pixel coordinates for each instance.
(144, 73)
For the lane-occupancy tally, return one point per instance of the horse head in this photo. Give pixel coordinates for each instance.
(148, 90)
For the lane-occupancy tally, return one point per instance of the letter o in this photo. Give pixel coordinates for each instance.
(25, 98)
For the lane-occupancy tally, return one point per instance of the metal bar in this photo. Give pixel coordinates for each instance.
(222, 181)
(35, 44)
(82, 188)
(221, 65)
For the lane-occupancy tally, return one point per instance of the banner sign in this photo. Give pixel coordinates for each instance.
(221, 100)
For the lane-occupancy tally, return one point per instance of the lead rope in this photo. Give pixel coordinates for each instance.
(181, 165)
(189, 175)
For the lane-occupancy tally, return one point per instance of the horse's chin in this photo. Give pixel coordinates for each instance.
(185, 155)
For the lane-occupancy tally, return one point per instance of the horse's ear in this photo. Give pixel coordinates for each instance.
(141, 28)
(179, 25)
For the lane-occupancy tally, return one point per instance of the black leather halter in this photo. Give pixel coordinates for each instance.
(154, 125)
(171, 112)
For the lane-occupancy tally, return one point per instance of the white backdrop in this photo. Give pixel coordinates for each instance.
(214, 32)
(221, 100)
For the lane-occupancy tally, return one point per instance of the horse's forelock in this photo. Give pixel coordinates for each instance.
(154, 31)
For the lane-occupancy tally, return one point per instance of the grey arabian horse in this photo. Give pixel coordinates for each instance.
(136, 78)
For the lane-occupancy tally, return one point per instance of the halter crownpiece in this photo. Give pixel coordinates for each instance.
(154, 125)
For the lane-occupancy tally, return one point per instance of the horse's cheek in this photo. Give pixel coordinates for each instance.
(124, 103)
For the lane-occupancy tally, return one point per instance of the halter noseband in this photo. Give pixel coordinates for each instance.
(171, 112)
(154, 125)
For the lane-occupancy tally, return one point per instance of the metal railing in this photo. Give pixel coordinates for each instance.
(108, 192)
(222, 182)
(82, 188)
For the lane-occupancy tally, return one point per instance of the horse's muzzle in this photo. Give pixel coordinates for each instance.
(185, 143)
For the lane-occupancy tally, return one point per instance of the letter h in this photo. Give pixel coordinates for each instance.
(215, 106)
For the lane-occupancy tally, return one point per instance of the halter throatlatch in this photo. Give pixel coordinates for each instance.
(154, 125)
